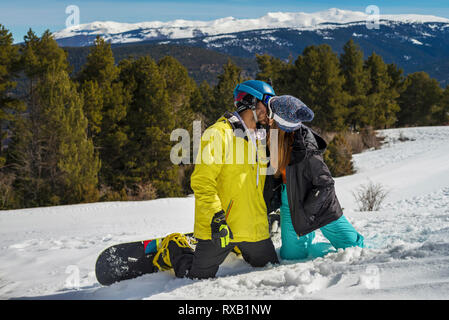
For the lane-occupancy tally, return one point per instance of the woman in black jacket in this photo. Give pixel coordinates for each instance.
(307, 193)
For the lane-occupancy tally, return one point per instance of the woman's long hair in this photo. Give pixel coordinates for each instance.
(285, 142)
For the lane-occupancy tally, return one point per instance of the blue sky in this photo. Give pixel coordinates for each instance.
(18, 16)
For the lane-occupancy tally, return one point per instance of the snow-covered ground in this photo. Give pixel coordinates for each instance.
(50, 253)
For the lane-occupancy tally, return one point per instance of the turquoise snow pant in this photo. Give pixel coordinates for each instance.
(340, 233)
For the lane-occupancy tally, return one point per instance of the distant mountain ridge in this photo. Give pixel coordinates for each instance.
(117, 32)
(413, 42)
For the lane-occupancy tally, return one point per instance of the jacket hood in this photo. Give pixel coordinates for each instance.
(321, 144)
(310, 139)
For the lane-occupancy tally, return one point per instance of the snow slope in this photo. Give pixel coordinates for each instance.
(117, 32)
(49, 253)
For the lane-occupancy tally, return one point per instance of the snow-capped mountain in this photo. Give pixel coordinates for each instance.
(116, 32)
(413, 42)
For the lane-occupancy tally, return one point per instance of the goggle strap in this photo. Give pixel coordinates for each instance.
(270, 111)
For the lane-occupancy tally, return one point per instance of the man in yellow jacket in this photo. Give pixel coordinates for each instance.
(228, 182)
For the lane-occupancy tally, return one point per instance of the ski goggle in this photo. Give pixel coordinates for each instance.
(266, 101)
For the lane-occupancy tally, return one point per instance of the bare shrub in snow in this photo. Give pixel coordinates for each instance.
(370, 138)
(6, 191)
(355, 141)
(370, 196)
(142, 191)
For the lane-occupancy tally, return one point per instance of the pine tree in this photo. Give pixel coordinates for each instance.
(440, 116)
(397, 79)
(319, 84)
(381, 104)
(203, 102)
(93, 107)
(100, 64)
(51, 155)
(276, 71)
(38, 54)
(75, 165)
(183, 94)
(30, 146)
(150, 121)
(356, 84)
(9, 104)
(420, 99)
(222, 92)
(180, 89)
(106, 102)
(9, 107)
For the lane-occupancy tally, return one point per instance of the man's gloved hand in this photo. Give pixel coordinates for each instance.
(221, 233)
(274, 220)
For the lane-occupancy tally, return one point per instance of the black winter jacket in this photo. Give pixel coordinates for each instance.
(310, 187)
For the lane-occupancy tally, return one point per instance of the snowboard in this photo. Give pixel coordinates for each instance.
(133, 259)
(128, 260)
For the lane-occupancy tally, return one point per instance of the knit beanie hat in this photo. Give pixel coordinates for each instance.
(289, 112)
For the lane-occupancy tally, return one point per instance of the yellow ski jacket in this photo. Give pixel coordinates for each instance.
(229, 175)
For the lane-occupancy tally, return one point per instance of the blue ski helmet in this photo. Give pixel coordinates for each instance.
(247, 93)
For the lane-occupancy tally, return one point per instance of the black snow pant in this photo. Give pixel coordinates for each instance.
(203, 263)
